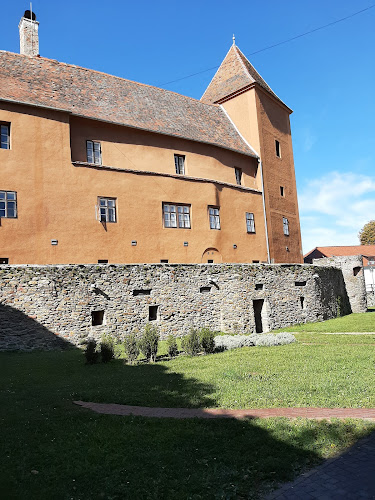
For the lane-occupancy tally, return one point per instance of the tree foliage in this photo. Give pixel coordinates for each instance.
(367, 233)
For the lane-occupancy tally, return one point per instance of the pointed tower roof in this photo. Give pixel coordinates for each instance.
(235, 73)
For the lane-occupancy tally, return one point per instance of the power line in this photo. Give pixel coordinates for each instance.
(276, 44)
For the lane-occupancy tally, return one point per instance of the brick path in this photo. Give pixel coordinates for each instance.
(350, 476)
(145, 411)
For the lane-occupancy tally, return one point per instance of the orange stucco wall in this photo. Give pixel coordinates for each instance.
(56, 198)
(262, 120)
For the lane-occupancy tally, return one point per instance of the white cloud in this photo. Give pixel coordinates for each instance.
(334, 207)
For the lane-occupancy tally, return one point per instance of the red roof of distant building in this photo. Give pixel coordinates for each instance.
(365, 250)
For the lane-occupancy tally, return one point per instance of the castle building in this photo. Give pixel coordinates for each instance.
(96, 168)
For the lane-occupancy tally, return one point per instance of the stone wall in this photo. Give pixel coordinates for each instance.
(352, 270)
(370, 299)
(49, 306)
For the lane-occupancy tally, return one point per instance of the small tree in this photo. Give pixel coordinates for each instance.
(148, 343)
(367, 233)
(172, 347)
(131, 348)
(191, 343)
(91, 353)
(207, 340)
(107, 350)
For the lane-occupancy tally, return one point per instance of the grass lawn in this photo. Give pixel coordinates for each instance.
(52, 449)
(364, 322)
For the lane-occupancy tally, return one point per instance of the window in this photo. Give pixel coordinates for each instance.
(250, 222)
(238, 174)
(277, 148)
(5, 136)
(174, 213)
(282, 192)
(97, 318)
(4, 260)
(107, 209)
(214, 214)
(153, 313)
(179, 163)
(163, 261)
(8, 204)
(286, 226)
(94, 152)
(103, 261)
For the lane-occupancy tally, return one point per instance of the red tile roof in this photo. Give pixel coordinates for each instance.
(235, 73)
(47, 83)
(365, 250)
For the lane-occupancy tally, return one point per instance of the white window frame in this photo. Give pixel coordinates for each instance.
(250, 222)
(214, 216)
(238, 175)
(176, 216)
(106, 209)
(8, 198)
(94, 152)
(179, 164)
(4, 135)
(286, 226)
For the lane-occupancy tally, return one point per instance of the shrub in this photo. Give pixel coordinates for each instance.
(207, 340)
(118, 349)
(190, 343)
(131, 348)
(270, 339)
(148, 343)
(172, 347)
(91, 353)
(224, 342)
(107, 351)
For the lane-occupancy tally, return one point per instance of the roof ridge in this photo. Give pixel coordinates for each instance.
(55, 61)
(238, 54)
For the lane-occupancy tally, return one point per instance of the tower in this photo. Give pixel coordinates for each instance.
(263, 121)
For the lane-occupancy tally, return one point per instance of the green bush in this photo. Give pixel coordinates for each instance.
(191, 343)
(107, 351)
(207, 340)
(131, 348)
(91, 353)
(149, 341)
(172, 347)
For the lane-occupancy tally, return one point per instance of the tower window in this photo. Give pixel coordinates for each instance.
(214, 214)
(250, 222)
(179, 163)
(97, 318)
(286, 226)
(107, 209)
(8, 204)
(5, 136)
(282, 191)
(238, 174)
(94, 152)
(176, 216)
(153, 313)
(277, 148)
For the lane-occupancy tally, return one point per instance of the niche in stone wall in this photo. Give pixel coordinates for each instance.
(259, 286)
(205, 289)
(142, 292)
(97, 318)
(300, 283)
(153, 313)
(356, 271)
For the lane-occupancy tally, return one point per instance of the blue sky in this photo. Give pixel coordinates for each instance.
(327, 78)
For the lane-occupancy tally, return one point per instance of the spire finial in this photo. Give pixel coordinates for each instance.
(234, 39)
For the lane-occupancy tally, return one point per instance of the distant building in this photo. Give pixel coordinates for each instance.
(368, 257)
(95, 168)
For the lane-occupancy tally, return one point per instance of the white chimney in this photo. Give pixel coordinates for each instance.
(29, 38)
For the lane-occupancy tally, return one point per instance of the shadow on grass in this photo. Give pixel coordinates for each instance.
(52, 448)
